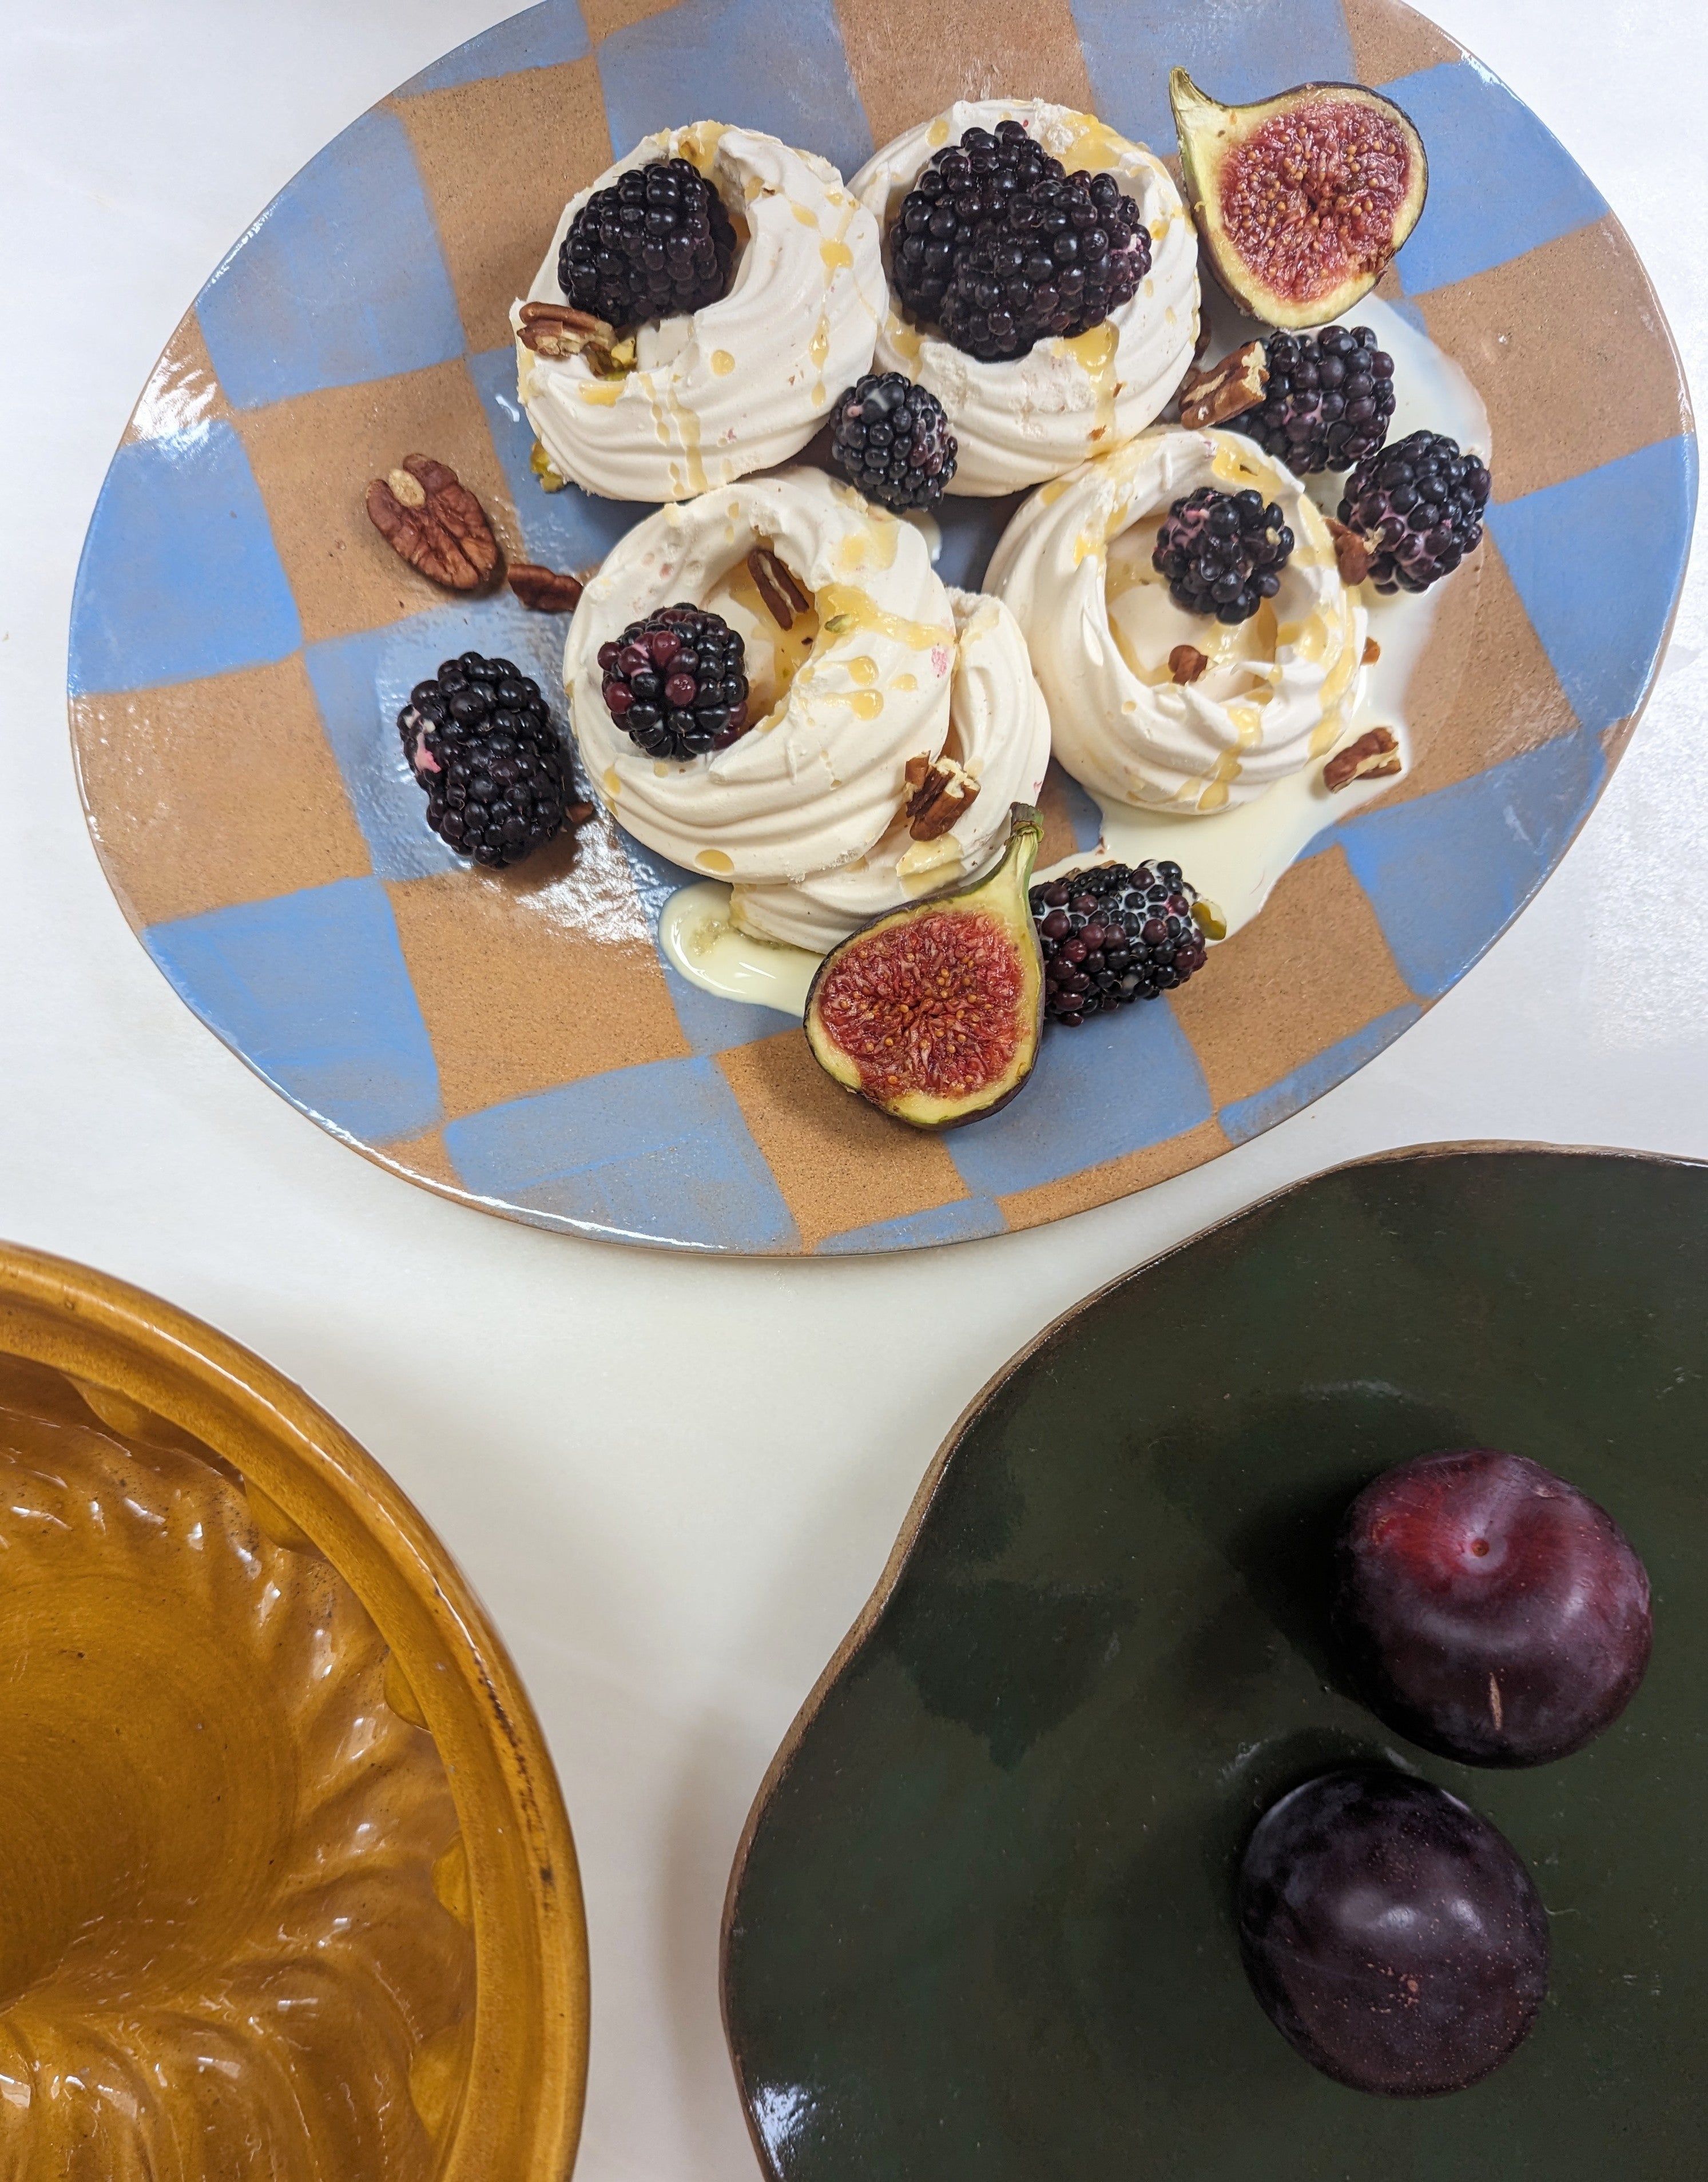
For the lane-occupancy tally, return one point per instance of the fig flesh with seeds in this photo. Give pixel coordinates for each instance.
(1301, 200)
(933, 1011)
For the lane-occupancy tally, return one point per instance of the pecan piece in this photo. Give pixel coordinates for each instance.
(940, 792)
(1374, 756)
(1373, 652)
(557, 330)
(1186, 662)
(1351, 554)
(1224, 389)
(784, 597)
(544, 588)
(430, 519)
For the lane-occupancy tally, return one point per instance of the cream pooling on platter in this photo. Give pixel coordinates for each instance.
(1025, 418)
(886, 666)
(1075, 567)
(745, 382)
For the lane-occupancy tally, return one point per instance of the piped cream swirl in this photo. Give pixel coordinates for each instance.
(1029, 418)
(744, 383)
(1074, 565)
(803, 815)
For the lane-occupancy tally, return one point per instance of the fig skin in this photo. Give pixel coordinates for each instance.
(1392, 1936)
(1487, 1609)
(1000, 897)
(1210, 132)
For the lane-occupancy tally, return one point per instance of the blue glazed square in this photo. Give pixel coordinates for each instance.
(312, 989)
(341, 279)
(1499, 183)
(639, 1154)
(1119, 1082)
(179, 578)
(1235, 50)
(1446, 874)
(362, 682)
(1598, 560)
(570, 530)
(538, 37)
(1249, 1117)
(964, 1221)
(740, 61)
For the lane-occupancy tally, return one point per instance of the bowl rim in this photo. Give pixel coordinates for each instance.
(521, 2105)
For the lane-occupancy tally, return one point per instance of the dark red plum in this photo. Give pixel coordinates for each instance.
(1392, 1936)
(1487, 1609)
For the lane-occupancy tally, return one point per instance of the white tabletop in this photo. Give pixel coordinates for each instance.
(673, 1481)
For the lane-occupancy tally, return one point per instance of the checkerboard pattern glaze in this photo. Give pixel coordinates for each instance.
(242, 639)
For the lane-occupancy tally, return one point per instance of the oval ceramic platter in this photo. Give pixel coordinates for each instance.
(242, 638)
(980, 1925)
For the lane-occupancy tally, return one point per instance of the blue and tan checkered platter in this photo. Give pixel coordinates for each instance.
(242, 639)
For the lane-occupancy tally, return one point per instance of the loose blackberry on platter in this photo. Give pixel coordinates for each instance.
(1328, 401)
(892, 440)
(657, 244)
(676, 683)
(479, 740)
(998, 245)
(1113, 933)
(1417, 507)
(1223, 552)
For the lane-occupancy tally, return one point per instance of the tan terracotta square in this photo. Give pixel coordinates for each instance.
(501, 159)
(838, 1163)
(535, 978)
(602, 17)
(1118, 1178)
(313, 457)
(1486, 690)
(908, 66)
(1390, 41)
(1566, 390)
(183, 389)
(422, 1158)
(207, 794)
(1311, 970)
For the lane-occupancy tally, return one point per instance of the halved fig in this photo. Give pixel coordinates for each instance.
(1303, 199)
(933, 1012)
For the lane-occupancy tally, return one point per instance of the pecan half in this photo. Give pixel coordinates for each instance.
(544, 588)
(577, 814)
(940, 792)
(1224, 389)
(557, 330)
(784, 597)
(1374, 756)
(430, 519)
(1373, 652)
(1186, 662)
(1351, 554)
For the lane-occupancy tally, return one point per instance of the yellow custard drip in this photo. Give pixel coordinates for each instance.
(1093, 144)
(722, 363)
(862, 670)
(835, 255)
(700, 144)
(601, 393)
(688, 437)
(938, 134)
(804, 213)
(714, 860)
(906, 339)
(1095, 353)
(867, 704)
(843, 609)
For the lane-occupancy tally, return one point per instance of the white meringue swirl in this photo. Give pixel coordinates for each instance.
(802, 814)
(1278, 689)
(1029, 418)
(745, 382)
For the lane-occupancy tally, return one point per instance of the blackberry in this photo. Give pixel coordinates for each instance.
(1112, 935)
(655, 245)
(1329, 401)
(998, 245)
(480, 741)
(1418, 508)
(892, 439)
(1223, 552)
(677, 682)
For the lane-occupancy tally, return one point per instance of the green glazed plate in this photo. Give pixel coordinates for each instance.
(979, 1926)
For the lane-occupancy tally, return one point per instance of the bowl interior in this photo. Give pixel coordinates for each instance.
(289, 1879)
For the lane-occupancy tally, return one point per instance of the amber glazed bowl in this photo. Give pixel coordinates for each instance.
(287, 1890)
